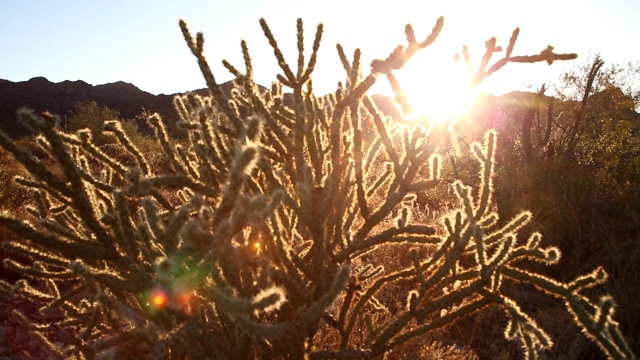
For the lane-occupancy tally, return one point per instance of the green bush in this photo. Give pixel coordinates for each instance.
(90, 115)
(262, 242)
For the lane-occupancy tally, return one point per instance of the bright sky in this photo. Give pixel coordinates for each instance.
(138, 41)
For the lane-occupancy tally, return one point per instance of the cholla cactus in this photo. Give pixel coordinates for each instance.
(255, 242)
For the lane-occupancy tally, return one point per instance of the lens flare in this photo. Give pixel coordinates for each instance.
(177, 280)
(182, 301)
(158, 298)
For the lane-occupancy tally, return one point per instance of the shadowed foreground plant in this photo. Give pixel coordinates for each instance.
(261, 246)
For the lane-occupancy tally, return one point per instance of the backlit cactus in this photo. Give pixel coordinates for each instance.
(256, 241)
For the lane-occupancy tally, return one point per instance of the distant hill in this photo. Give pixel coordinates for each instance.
(41, 94)
(59, 98)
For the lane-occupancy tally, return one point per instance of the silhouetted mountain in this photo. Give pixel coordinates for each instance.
(41, 95)
(59, 98)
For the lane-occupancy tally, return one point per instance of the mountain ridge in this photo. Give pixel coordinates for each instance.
(41, 95)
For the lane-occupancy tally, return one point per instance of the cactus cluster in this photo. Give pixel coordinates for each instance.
(256, 241)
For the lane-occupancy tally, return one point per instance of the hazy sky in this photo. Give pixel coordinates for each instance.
(138, 41)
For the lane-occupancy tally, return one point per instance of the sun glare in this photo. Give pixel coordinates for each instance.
(437, 90)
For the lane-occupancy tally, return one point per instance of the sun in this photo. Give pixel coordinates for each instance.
(438, 89)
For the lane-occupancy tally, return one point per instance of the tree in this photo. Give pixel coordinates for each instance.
(261, 250)
(591, 93)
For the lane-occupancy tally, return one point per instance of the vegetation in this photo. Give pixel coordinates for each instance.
(585, 200)
(288, 233)
(89, 115)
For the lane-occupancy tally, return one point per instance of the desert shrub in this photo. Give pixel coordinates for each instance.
(269, 248)
(590, 216)
(586, 201)
(90, 115)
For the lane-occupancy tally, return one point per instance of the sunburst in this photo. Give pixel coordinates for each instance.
(438, 89)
